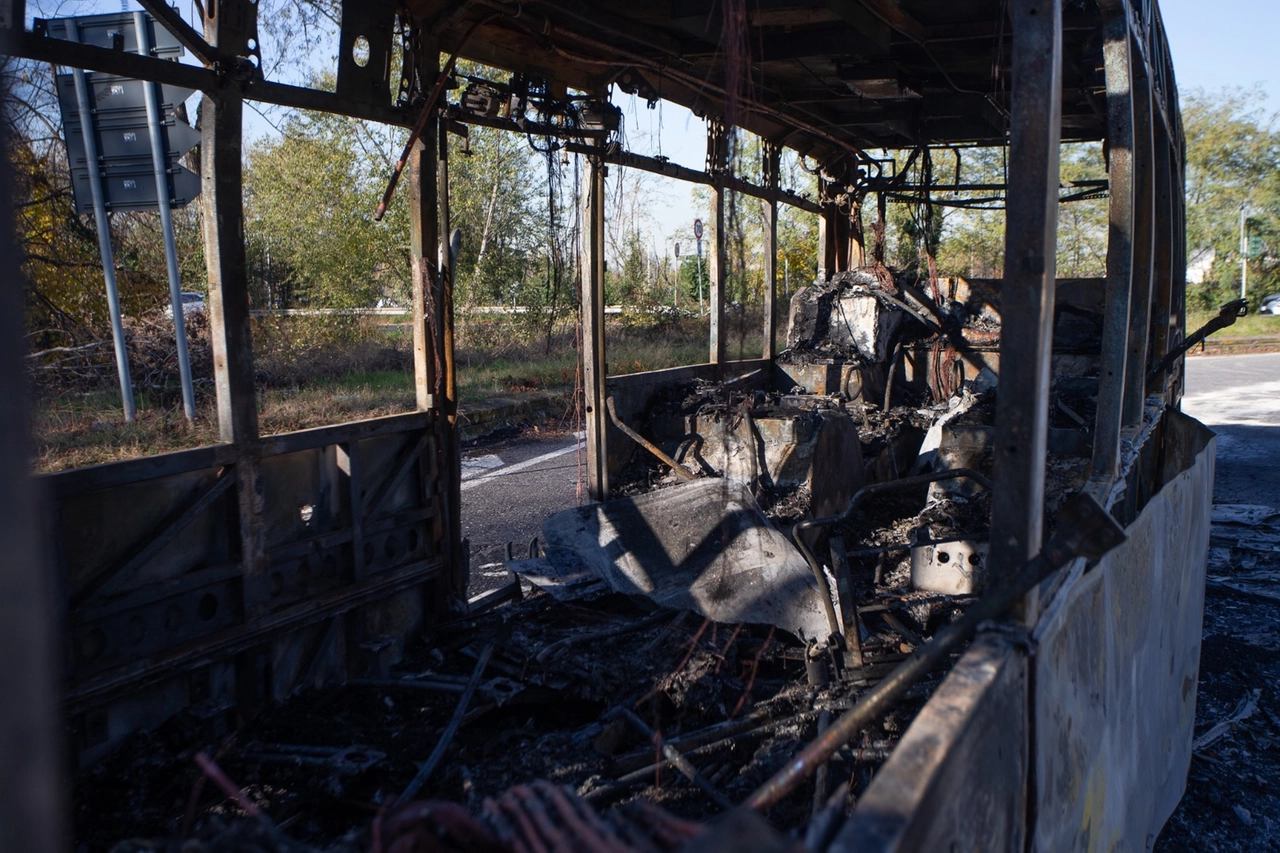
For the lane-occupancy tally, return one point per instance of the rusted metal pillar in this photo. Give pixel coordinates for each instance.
(229, 25)
(594, 368)
(451, 451)
(1027, 294)
(32, 813)
(1144, 225)
(424, 230)
(718, 265)
(1166, 221)
(772, 161)
(828, 231)
(854, 242)
(1115, 328)
(1178, 298)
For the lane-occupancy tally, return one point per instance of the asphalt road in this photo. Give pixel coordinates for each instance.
(1238, 396)
(508, 490)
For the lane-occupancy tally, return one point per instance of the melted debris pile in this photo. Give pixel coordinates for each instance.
(581, 694)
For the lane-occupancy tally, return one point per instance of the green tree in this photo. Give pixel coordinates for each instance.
(1233, 161)
(309, 201)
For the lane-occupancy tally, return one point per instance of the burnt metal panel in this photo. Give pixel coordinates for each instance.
(153, 629)
(1117, 664)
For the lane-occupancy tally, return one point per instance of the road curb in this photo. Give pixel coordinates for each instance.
(1236, 346)
(507, 410)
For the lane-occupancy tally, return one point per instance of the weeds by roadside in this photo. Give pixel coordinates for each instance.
(315, 371)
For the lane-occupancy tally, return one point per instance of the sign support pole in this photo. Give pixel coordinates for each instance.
(166, 223)
(104, 232)
(698, 235)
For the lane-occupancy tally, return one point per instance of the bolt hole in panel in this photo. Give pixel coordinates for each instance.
(360, 51)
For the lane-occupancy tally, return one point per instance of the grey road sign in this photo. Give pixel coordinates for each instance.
(120, 118)
(119, 114)
(115, 31)
(133, 187)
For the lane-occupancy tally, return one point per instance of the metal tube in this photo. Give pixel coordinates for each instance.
(166, 224)
(646, 443)
(104, 230)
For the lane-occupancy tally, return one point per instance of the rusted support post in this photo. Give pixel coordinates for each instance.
(228, 26)
(857, 242)
(718, 265)
(1178, 300)
(1144, 225)
(594, 366)
(1115, 328)
(772, 162)
(423, 247)
(828, 231)
(32, 813)
(1166, 223)
(1027, 294)
(450, 472)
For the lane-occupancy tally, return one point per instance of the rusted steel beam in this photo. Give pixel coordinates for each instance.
(448, 470)
(42, 48)
(1120, 245)
(772, 163)
(222, 203)
(594, 369)
(1166, 238)
(169, 18)
(718, 258)
(327, 436)
(37, 46)
(828, 232)
(423, 249)
(629, 160)
(32, 814)
(1144, 243)
(1027, 294)
(78, 481)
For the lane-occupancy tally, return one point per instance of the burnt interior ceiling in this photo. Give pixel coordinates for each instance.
(823, 78)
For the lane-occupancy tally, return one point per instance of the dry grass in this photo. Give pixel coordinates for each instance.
(311, 377)
(1252, 326)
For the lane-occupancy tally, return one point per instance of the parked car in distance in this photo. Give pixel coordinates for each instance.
(192, 303)
(1270, 304)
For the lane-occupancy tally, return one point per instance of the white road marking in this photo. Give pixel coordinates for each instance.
(1256, 403)
(477, 465)
(525, 465)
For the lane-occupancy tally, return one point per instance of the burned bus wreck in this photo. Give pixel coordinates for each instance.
(929, 572)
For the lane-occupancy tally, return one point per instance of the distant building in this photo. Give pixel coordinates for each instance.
(1199, 265)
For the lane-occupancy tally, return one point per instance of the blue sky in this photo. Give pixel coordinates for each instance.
(1217, 43)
